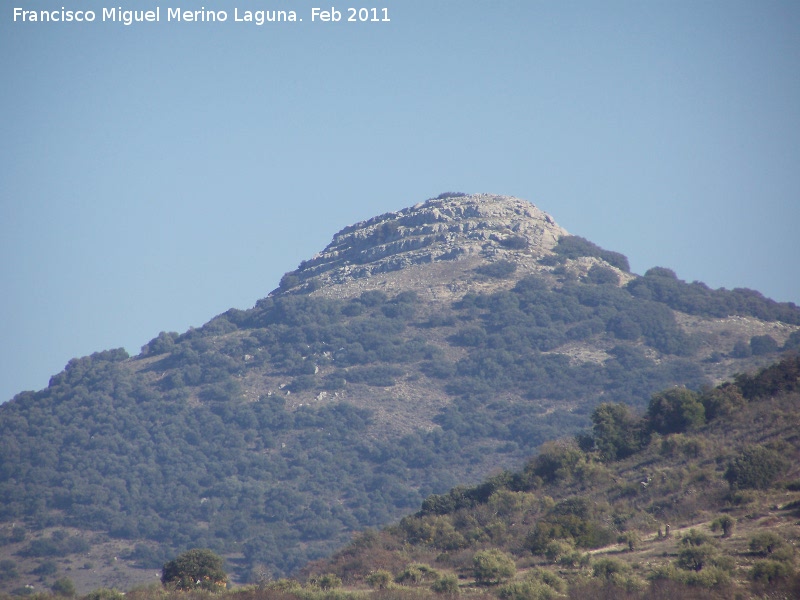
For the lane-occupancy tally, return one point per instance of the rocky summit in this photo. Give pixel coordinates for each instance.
(435, 242)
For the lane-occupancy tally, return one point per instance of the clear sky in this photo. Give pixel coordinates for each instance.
(155, 175)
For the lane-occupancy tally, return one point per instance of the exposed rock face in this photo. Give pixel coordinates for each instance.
(453, 229)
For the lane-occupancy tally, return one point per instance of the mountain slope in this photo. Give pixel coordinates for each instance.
(420, 350)
(705, 508)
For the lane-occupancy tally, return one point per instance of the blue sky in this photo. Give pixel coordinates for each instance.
(154, 176)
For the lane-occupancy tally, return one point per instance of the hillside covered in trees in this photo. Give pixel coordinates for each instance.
(347, 396)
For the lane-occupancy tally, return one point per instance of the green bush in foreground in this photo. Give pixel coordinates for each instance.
(493, 566)
(195, 569)
(446, 584)
(770, 571)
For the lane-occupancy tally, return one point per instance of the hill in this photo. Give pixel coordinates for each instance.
(697, 497)
(420, 350)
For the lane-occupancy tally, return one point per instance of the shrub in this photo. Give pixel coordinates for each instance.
(709, 577)
(547, 577)
(722, 401)
(663, 272)
(47, 567)
(497, 270)
(446, 584)
(493, 566)
(696, 552)
(607, 568)
(793, 342)
(556, 461)
(694, 558)
(417, 573)
(8, 570)
(329, 581)
(573, 246)
(526, 590)
(377, 376)
(757, 467)
(724, 523)
(558, 549)
(58, 544)
(379, 580)
(469, 336)
(763, 344)
(104, 594)
(17, 534)
(289, 280)
(741, 349)
(573, 520)
(574, 559)
(770, 571)
(631, 538)
(765, 543)
(695, 538)
(286, 586)
(623, 327)
(515, 242)
(63, 587)
(303, 382)
(781, 377)
(602, 275)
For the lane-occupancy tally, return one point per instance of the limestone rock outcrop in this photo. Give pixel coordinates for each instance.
(446, 229)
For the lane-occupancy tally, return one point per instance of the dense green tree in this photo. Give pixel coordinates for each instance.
(694, 558)
(616, 431)
(675, 411)
(195, 569)
(555, 461)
